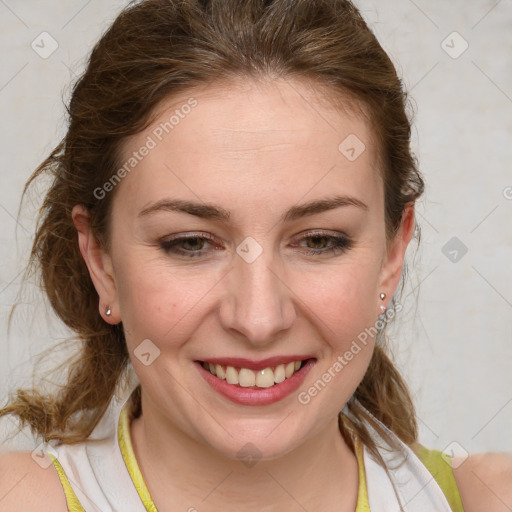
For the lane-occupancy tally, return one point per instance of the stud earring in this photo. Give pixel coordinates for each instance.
(108, 312)
(382, 307)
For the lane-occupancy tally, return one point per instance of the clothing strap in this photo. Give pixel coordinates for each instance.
(72, 501)
(439, 466)
(104, 475)
(93, 473)
(405, 484)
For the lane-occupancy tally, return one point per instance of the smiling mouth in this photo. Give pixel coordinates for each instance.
(247, 378)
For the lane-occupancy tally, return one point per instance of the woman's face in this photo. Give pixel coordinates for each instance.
(260, 275)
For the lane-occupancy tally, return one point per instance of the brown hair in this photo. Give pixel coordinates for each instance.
(157, 48)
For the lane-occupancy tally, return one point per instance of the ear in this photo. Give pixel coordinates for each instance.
(99, 264)
(392, 264)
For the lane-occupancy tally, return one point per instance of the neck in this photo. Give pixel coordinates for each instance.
(184, 474)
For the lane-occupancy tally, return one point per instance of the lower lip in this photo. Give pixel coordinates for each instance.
(256, 396)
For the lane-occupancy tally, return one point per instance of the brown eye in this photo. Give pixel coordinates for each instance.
(193, 243)
(322, 243)
(189, 246)
(317, 240)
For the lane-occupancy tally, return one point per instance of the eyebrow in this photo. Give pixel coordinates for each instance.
(215, 212)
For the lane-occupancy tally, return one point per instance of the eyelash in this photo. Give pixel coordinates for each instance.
(341, 244)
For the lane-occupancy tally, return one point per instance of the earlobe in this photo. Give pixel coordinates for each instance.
(391, 270)
(99, 264)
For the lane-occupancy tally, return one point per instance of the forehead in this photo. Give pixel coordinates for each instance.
(248, 136)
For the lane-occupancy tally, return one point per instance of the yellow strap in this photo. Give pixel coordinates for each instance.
(362, 498)
(138, 480)
(439, 465)
(125, 444)
(71, 499)
(134, 470)
(435, 461)
(131, 462)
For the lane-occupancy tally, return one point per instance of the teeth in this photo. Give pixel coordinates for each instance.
(246, 378)
(219, 371)
(279, 374)
(265, 378)
(231, 375)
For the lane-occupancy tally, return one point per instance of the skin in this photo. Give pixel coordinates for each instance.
(284, 302)
(241, 147)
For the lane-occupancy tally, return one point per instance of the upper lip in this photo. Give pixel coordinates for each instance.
(251, 364)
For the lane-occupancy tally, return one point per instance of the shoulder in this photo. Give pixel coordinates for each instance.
(26, 486)
(484, 481)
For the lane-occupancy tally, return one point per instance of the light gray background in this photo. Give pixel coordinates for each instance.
(455, 348)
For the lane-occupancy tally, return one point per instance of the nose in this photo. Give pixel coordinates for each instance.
(258, 303)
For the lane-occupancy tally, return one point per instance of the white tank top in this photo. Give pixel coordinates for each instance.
(102, 474)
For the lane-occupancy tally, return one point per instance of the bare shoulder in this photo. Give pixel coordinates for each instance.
(485, 481)
(26, 486)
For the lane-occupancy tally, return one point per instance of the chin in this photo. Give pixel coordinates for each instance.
(253, 440)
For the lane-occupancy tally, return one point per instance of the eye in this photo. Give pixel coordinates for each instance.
(196, 245)
(321, 243)
(190, 246)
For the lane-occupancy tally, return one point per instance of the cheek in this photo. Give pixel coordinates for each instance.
(344, 306)
(159, 303)
(343, 298)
